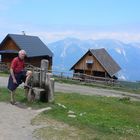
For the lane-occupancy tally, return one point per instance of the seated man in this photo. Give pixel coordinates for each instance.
(18, 74)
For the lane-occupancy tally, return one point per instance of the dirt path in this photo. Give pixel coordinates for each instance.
(85, 90)
(15, 123)
(68, 88)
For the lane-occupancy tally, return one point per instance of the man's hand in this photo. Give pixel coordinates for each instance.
(14, 81)
(13, 76)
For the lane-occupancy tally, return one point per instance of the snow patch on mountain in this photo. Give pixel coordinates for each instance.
(118, 50)
(122, 77)
(63, 54)
(121, 51)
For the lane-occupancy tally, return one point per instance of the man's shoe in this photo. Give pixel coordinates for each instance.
(12, 103)
(26, 87)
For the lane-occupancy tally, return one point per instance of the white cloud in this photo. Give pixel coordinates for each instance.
(57, 35)
(50, 34)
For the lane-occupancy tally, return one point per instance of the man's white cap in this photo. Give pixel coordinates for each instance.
(22, 52)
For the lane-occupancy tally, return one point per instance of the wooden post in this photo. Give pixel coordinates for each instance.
(61, 74)
(51, 95)
(49, 87)
(36, 79)
(44, 70)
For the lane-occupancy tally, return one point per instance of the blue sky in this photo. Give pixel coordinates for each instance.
(52, 20)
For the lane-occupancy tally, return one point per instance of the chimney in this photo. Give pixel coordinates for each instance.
(23, 32)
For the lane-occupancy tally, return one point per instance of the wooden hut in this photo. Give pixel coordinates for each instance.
(97, 62)
(36, 50)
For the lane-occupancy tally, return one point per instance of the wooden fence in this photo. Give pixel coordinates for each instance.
(3, 67)
(68, 75)
(83, 77)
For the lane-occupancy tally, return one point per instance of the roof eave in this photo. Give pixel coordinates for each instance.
(79, 60)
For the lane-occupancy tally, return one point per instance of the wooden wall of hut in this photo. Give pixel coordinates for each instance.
(9, 45)
(96, 66)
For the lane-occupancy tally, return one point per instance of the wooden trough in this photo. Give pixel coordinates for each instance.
(41, 84)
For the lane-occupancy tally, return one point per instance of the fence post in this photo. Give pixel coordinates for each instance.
(43, 71)
(49, 84)
(61, 74)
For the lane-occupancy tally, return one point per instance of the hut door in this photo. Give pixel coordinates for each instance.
(88, 72)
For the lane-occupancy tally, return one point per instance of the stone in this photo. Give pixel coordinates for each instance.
(72, 116)
(71, 112)
(44, 109)
(63, 106)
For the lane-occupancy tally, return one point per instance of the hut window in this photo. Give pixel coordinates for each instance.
(89, 61)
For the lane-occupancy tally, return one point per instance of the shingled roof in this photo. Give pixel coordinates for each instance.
(31, 44)
(105, 60)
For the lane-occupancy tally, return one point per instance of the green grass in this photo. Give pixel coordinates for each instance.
(4, 74)
(20, 97)
(107, 116)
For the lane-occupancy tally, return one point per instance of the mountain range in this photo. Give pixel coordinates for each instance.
(69, 50)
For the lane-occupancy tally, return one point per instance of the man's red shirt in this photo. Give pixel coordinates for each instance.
(17, 65)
